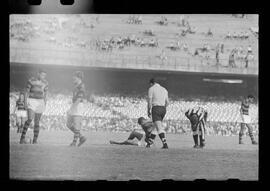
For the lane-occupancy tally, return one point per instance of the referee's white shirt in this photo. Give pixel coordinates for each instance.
(158, 95)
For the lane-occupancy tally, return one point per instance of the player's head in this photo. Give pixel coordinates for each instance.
(141, 120)
(152, 81)
(78, 77)
(250, 98)
(21, 96)
(42, 74)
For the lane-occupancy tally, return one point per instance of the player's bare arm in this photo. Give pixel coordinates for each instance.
(167, 102)
(149, 107)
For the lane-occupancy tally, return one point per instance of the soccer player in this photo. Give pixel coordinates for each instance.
(246, 120)
(158, 101)
(21, 113)
(197, 117)
(149, 137)
(76, 110)
(36, 93)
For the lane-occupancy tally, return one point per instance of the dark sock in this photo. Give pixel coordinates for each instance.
(36, 132)
(25, 127)
(77, 135)
(195, 138)
(240, 136)
(251, 135)
(201, 140)
(152, 136)
(162, 138)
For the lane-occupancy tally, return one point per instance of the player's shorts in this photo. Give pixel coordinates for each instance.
(194, 120)
(142, 143)
(21, 113)
(158, 113)
(76, 109)
(245, 119)
(37, 105)
(74, 121)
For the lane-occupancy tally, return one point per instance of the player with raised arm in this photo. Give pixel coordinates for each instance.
(75, 113)
(246, 120)
(148, 136)
(197, 117)
(36, 95)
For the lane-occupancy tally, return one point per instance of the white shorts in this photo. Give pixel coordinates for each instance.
(37, 105)
(142, 142)
(245, 119)
(76, 109)
(21, 113)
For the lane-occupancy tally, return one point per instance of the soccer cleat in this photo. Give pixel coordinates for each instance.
(241, 142)
(73, 144)
(165, 146)
(82, 140)
(148, 145)
(196, 146)
(254, 143)
(23, 141)
(202, 145)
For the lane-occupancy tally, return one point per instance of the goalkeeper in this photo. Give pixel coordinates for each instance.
(197, 117)
(147, 137)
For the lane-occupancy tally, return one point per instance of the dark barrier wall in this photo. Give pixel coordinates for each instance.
(100, 80)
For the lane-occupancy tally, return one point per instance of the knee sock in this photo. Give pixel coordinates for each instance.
(195, 138)
(152, 136)
(162, 138)
(201, 140)
(77, 135)
(251, 134)
(240, 136)
(36, 132)
(25, 127)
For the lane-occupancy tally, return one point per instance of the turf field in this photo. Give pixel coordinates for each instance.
(53, 159)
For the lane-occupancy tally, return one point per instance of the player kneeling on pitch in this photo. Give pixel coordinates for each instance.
(197, 117)
(76, 110)
(148, 136)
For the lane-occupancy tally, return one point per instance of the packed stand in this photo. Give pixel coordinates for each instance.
(120, 113)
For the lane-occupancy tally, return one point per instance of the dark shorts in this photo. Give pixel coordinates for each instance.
(194, 120)
(158, 113)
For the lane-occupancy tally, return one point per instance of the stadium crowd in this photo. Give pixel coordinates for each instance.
(120, 113)
(209, 52)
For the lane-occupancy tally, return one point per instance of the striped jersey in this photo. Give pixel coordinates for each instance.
(37, 88)
(245, 107)
(199, 111)
(20, 104)
(78, 93)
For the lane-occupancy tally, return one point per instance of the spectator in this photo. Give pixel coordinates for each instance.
(222, 48)
(249, 49)
(217, 55)
(232, 59)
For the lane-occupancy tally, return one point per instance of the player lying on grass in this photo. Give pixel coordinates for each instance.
(148, 136)
(197, 117)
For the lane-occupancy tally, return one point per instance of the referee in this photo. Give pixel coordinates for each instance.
(157, 103)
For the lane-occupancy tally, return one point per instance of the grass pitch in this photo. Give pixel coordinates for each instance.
(53, 159)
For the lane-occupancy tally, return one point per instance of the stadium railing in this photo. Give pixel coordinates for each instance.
(116, 60)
